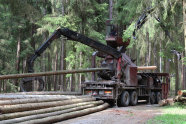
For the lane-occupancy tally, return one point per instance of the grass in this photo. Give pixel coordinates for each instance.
(175, 114)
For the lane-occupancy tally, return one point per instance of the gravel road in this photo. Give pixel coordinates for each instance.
(119, 115)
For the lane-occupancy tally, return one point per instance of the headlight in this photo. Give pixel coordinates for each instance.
(108, 92)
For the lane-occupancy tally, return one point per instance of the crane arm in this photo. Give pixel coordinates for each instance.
(71, 35)
(143, 18)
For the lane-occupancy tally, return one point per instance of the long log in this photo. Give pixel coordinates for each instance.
(146, 68)
(61, 117)
(32, 117)
(20, 96)
(38, 116)
(46, 110)
(38, 100)
(45, 93)
(34, 106)
(14, 76)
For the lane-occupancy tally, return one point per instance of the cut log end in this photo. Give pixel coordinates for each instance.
(146, 68)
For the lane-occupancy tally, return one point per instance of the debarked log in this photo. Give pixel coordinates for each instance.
(23, 96)
(34, 106)
(46, 110)
(38, 116)
(44, 93)
(38, 74)
(38, 100)
(146, 68)
(61, 117)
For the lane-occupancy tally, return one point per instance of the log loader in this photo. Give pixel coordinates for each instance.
(120, 82)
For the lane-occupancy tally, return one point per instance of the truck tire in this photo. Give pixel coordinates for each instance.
(133, 98)
(158, 97)
(125, 98)
(152, 98)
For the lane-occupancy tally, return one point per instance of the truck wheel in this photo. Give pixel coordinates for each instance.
(125, 98)
(158, 97)
(152, 98)
(133, 98)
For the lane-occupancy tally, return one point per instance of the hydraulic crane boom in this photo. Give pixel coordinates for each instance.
(71, 35)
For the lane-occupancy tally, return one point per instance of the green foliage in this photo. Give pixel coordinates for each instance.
(184, 60)
(171, 115)
(127, 10)
(169, 119)
(33, 21)
(128, 33)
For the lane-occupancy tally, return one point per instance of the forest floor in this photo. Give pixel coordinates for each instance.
(139, 114)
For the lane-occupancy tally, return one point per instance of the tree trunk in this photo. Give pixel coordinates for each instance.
(177, 74)
(148, 51)
(49, 68)
(4, 85)
(156, 56)
(0, 85)
(62, 79)
(160, 60)
(80, 75)
(73, 83)
(55, 76)
(18, 56)
(184, 23)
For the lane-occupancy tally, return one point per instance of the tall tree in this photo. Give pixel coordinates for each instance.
(184, 53)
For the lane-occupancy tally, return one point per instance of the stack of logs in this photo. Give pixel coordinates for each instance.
(181, 97)
(37, 108)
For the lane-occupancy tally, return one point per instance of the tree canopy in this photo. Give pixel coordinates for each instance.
(26, 24)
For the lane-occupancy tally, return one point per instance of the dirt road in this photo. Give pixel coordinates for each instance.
(122, 115)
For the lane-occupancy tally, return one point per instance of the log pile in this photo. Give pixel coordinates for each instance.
(181, 97)
(30, 109)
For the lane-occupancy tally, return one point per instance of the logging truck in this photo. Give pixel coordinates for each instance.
(120, 81)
